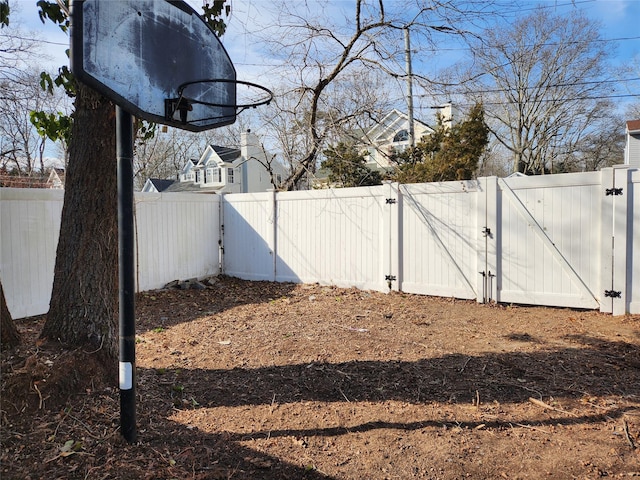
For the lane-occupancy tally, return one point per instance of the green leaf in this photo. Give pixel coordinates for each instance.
(53, 12)
(55, 126)
(211, 12)
(4, 13)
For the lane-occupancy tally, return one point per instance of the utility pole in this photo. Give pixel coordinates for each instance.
(407, 55)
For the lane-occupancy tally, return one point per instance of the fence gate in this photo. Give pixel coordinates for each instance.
(547, 241)
(438, 244)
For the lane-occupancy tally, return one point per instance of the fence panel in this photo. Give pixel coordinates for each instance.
(29, 231)
(440, 239)
(332, 236)
(249, 238)
(176, 237)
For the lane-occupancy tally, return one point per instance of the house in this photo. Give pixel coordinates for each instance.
(390, 136)
(225, 170)
(157, 185)
(632, 146)
(54, 180)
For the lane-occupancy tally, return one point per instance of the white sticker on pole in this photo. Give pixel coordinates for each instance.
(126, 375)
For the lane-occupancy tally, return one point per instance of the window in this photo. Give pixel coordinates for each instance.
(208, 176)
(401, 136)
(398, 149)
(219, 175)
(197, 176)
(229, 175)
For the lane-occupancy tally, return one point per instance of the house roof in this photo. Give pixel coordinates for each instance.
(182, 187)
(60, 172)
(390, 123)
(161, 184)
(227, 155)
(633, 126)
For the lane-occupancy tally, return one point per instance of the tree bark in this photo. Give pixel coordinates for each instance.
(8, 330)
(84, 301)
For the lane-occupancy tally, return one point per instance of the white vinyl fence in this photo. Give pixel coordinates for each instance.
(569, 240)
(29, 230)
(177, 238)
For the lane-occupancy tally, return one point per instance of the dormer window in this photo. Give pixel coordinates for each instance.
(401, 136)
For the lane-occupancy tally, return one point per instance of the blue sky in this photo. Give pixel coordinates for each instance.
(619, 19)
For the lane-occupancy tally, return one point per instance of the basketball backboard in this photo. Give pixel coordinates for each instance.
(138, 53)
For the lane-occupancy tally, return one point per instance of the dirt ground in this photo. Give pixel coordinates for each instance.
(258, 380)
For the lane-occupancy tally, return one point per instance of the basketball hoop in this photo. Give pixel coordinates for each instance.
(241, 95)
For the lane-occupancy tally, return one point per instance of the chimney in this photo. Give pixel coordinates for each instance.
(447, 113)
(250, 145)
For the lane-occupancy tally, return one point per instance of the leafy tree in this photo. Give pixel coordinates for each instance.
(449, 153)
(83, 309)
(348, 167)
(4, 13)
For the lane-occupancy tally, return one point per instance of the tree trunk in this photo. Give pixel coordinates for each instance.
(8, 330)
(84, 301)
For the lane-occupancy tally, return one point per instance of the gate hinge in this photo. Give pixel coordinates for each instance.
(612, 191)
(391, 201)
(612, 294)
(389, 279)
(486, 231)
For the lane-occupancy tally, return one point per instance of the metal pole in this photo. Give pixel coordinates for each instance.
(407, 52)
(124, 153)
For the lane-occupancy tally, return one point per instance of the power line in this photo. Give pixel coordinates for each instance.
(559, 85)
(554, 44)
(34, 40)
(600, 97)
(461, 49)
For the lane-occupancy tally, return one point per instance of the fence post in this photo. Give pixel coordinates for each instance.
(619, 294)
(273, 240)
(392, 236)
(221, 258)
(606, 239)
(488, 236)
